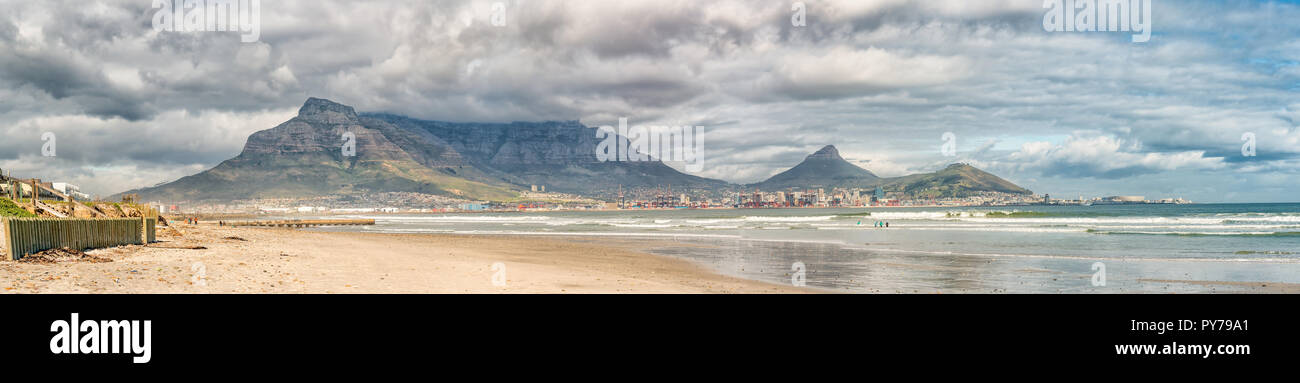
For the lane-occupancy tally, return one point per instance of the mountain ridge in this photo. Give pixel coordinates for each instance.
(825, 168)
(303, 157)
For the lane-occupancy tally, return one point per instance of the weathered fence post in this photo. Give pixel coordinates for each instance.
(8, 239)
(23, 236)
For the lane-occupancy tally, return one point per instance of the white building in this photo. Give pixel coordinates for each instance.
(65, 188)
(69, 189)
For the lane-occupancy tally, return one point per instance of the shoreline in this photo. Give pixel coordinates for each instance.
(257, 215)
(288, 261)
(211, 259)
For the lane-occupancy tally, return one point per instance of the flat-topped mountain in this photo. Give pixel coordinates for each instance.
(560, 155)
(303, 157)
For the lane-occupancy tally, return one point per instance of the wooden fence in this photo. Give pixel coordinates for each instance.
(150, 229)
(23, 236)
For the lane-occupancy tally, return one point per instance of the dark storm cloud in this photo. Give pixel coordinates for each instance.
(63, 77)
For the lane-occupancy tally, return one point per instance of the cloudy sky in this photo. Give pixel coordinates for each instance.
(1058, 112)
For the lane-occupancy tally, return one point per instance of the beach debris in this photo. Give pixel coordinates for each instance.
(178, 247)
(62, 255)
(109, 210)
(236, 239)
(170, 232)
(129, 211)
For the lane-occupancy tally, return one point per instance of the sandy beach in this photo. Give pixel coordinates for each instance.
(656, 255)
(267, 260)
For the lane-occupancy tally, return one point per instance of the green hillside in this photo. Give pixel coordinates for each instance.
(955, 181)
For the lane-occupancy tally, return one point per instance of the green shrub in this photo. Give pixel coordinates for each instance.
(10, 209)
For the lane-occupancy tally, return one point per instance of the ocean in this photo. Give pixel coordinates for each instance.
(1200, 248)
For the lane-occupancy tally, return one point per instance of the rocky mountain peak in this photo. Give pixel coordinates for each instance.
(829, 152)
(325, 111)
(822, 168)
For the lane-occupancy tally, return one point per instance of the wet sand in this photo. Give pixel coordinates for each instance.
(211, 259)
(835, 267)
(293, 261)
(1254, 287)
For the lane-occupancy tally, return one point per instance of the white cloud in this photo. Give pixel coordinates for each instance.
(844, 71)
(1104, 157)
